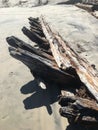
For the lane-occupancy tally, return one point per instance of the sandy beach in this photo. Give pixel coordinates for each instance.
(24, 105)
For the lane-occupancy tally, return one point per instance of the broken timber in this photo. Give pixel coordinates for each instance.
(41, 65)
(90, 7)
(52, 59)
(67, 59)
(79, 110)
(86, 7)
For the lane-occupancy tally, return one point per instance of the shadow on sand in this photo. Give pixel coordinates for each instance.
(81, 127)
(45, 97)
(40, 97)
(70, 2)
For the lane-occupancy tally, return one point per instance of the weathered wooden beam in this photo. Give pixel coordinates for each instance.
(86, 7)
(81, 102)
(67, 59)
(95, 7)
(17, 43)
(79, 110)
(36, 28)
(34, 19)
(35, 23)
(42, 42)
(86, 118)
(41, 67)
(40, 33)
(61, 65)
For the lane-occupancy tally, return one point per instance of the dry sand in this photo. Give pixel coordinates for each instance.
(24, 105)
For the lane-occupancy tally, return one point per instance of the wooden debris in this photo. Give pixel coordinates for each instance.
(15, 42)
(67, 59)
(87, 7)
(92, 7)
(42, 42)
(55, 61)
(41, 65)
(79, 110)
(95, 14)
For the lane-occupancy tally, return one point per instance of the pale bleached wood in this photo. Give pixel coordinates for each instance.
(66, 58)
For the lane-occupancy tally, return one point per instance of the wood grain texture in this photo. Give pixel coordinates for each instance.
(66, 58)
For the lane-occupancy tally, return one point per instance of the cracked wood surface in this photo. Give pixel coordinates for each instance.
(67, 58)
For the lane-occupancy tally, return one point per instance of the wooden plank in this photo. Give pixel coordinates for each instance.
(87, 7)
(42, 42)
(41, 67)
(16, 42)
(67, 59)
(79, 110)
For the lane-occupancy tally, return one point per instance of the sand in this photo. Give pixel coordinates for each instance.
(24, 105)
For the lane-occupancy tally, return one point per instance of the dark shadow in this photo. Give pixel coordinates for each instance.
(70, 2)
(40, 97)
(81, 127)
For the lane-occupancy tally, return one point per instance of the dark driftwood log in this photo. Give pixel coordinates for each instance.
(35, 24)
(41, 67)
(38, 32)
(79, 110)
(42, 42)
(88, 7)
(68, 60)
(16, 42)
(60, 65)
(40, 63)
(34, 27)
(95, 7)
